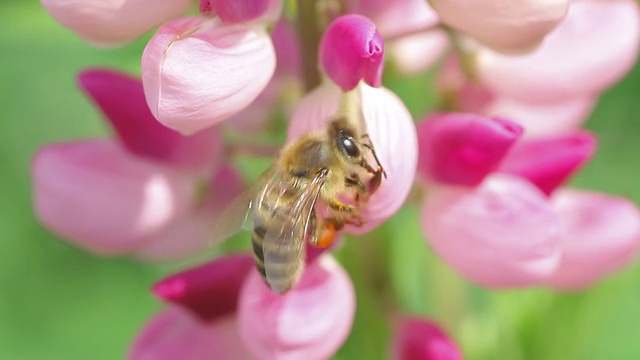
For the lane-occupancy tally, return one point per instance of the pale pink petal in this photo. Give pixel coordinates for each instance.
(176, 334)
(538, 119)
(543, 119)
(461, 149)
(197, 72)
(121, 98)
(506, 25)
(287, 48)
(549, 162)
(589, 51)
(310, 322)
(104, 199)
(421, 339)
(396, 17)
(235, 11)
(210, 290)
(503, 233)
(601, 235)
(415, 53)
(112, 22)
(193, 232)
(393, 135)
(351, 50)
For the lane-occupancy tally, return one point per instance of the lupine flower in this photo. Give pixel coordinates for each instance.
(605, 34)
(311, 321)
(197, 72)
(201, 321)
(421, 339)
(113, 22)
(137, 194)
(505, 25)
(511, 220)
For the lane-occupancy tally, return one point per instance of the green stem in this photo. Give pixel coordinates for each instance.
(309, 32)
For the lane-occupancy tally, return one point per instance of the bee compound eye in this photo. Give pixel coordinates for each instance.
(349, 146)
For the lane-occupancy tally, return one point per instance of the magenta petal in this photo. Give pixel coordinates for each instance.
(102, 198)
(198, 72)
(549, 162)
(210, 290)
(352, 50)
(421, 339)
(122, 100)
(311, 321)
(504, 233)
(176, 334)
(601, 235)
(462, 149)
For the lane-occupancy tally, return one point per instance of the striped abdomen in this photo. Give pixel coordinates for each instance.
(278, 239)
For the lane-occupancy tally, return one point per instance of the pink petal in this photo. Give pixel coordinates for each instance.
(549, 162)
(421, 339)
(392, 133)
(589, 51)
(461, 149)
(193, 232)
(112, 22)
(416, 53)
(538, 119)
(503, 233)
(104, 199)
(506, 25)
(197, 72)
(176, 334)
(601, 236)
(122, 100)
(310, 322)
(352, 50)
(210, 290)
(235, 11)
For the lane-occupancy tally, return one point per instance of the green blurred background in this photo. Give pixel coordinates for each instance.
(57, 302)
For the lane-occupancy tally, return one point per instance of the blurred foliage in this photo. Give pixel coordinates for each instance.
(58, 302)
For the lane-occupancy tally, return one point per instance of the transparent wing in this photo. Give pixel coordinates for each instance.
(285, 242)
(240, 213)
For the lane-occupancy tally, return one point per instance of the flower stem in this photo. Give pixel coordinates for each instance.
(309, 32)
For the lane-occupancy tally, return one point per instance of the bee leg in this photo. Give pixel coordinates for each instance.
(375, 181)
(339, 206)
(369, 145)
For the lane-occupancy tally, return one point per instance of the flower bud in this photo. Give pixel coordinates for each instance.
(352, 50)
(112, 22)
(461, 149)
(311, 321)
(549, 162)
(197, 72)
(502, 233)
(601, 235)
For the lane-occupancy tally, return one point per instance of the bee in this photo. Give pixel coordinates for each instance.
(321, 167)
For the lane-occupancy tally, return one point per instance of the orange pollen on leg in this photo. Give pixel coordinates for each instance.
(328, 235)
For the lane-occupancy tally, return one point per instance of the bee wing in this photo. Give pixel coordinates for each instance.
(239, 214)
(284, 244)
